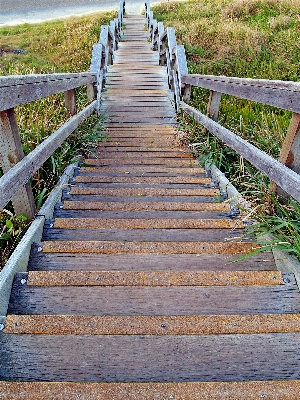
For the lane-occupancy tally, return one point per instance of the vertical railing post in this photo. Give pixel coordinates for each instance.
(11, 152)
(70, 101)
(290, 151)
(186, 95)
(95, 67)
(214, 105)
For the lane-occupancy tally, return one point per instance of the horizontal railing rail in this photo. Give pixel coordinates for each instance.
(17, 90)
(285, 95)
(21, 89)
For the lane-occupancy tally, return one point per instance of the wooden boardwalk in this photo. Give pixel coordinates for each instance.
(132, 291)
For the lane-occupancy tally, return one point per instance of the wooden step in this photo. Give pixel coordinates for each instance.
(156, 300)
(143, 154)
(139, 204)
(74, 223)
(275, 390)
(173, 262)
(173, 162)
(152, 325)
(147, 247)
(150, 358)
(154, 278)
(141, 179)
(145, 169)
(144, 191)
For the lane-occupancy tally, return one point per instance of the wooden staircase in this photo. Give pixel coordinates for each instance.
(132, 293)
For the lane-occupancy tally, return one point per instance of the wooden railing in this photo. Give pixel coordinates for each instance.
(285, 95)
(17, 90)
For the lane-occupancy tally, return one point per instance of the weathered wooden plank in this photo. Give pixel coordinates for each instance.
(146, 169)
(152, 325)
(140, 262)
(144, 154)
(145, 300)
(155, 223)
(148, 247)
(144, 161)
(277, 390)
(155, 278)
(141, 179)
(159, 235)
(287, 179)
(134, 113)
(26, 88)
(141, 214)
(70, 101)
(138, 203)
(147, 191)
(274, 93)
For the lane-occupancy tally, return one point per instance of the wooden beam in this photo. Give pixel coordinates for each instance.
(284, 177)
(214, 105)
(290, 151)
(23, 89)
(285, 95)
(70, 101)
(11, 153)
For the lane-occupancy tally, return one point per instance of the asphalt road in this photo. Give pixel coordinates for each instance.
(13, 12)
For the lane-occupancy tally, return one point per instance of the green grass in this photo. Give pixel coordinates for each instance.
(50, 47)
(242, 38)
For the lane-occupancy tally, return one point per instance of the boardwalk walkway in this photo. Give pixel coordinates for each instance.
(133, 280)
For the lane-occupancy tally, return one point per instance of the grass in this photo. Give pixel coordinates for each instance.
(243, 38)
(50, 47)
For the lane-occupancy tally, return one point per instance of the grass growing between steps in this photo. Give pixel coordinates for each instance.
(50, 47)
(243, 38)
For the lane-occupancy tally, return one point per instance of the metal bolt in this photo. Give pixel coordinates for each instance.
(262, 396)
(23, 281)
(163, 325)
(39, 249)
(171, 397)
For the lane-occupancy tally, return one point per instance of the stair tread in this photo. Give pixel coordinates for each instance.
(71, 261)
(146, 358)
(278, 390)
(146, 300)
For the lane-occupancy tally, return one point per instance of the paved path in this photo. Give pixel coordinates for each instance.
(16, 12)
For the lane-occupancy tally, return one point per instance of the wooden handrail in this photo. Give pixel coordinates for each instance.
(17, 90)
(284, 177)
(284, 95)
(18, 175)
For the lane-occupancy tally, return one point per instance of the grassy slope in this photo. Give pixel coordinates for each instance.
(59, 46)
(243, 38)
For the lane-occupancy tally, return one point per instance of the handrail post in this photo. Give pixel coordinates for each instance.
(11, 152)
(70, 101)
(186, 95)
(214, 105)
(290, 151)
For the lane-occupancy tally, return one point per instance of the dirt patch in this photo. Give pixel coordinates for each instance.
(10, 49)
